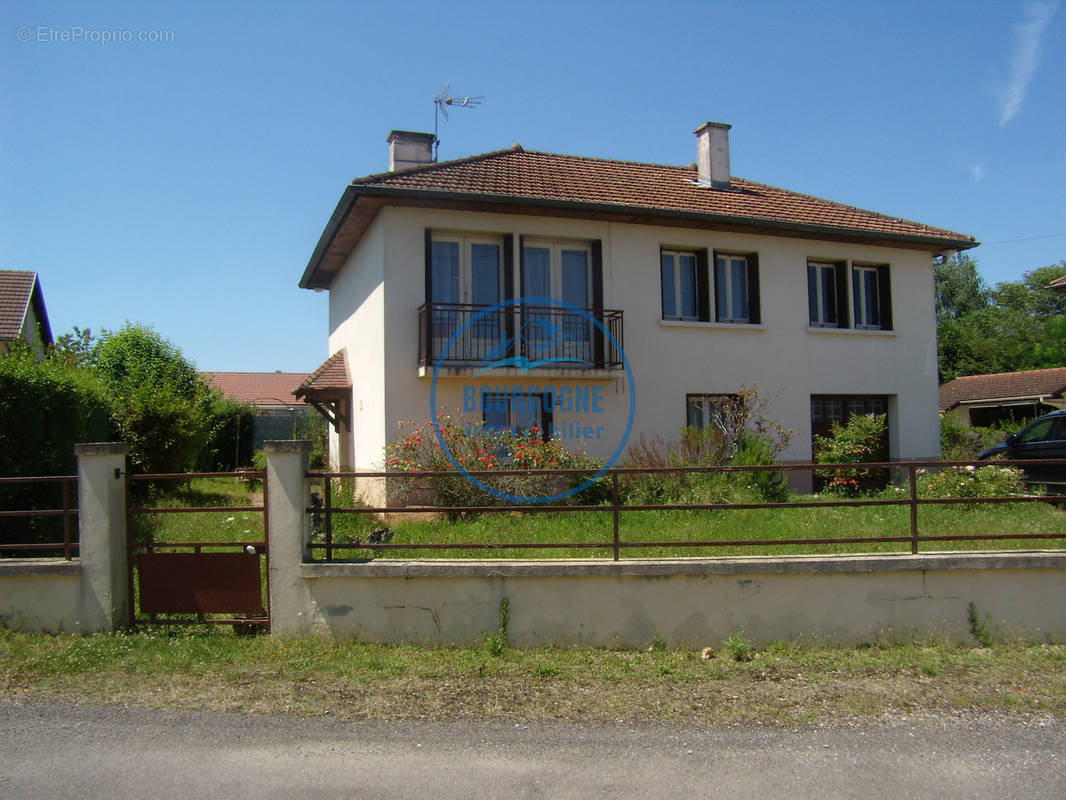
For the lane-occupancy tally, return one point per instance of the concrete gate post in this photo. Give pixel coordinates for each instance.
(289, 535)
(102, 536)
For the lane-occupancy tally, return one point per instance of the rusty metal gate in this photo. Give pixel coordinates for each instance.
(180, 580)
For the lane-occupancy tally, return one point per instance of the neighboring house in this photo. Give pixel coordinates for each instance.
(987, 399)
(708, 282)
(1058, 284)
(22, 312)
(278, 414)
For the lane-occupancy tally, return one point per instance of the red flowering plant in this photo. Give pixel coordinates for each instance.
(477, 448)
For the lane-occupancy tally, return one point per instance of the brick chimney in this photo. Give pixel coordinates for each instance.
(712, 154)
(409, 149)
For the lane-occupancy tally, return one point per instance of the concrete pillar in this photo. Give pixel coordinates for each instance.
(102, 536)
(289, 535)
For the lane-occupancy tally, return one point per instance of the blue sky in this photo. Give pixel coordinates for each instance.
(183, 183)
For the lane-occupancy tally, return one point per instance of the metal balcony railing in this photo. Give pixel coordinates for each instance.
(464, 334)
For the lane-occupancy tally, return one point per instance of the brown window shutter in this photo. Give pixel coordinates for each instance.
(884, 299)
(703, 286)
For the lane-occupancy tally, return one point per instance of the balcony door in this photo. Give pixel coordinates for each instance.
(557, 272)
(466, 275)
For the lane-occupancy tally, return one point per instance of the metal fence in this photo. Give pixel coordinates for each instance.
(69, 513)
(903, 476)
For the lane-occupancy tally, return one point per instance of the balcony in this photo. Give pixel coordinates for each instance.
(520, 338)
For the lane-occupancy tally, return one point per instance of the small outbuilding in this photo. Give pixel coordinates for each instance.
(987, 399)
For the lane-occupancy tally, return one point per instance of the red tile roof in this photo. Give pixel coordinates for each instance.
(332, 376)
(18, 289)
(576, 179)
(597, 187)
(258, 388)
(1033, 383)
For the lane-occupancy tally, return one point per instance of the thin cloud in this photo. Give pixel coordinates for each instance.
(1024, 57)
(977, 171)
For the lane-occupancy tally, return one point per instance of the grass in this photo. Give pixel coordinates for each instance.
(635, 526)
(209, 526)
(779, 684)
(753, 525)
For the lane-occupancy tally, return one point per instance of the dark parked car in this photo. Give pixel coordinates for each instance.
(1045, 437)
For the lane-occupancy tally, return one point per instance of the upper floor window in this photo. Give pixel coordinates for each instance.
(823, 295)
(465, 269)
(830, 298)
(679, 285)
(693, 291)
(557, 271)
(732, 292)
(870, 297)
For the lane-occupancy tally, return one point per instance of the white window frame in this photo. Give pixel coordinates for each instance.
(730, 314)
(707, 405)
(555, 265)
(859, 296)
(466, 259)
(821, 301)
(678, 298)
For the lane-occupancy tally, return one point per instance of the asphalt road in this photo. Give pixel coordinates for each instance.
(53, 750)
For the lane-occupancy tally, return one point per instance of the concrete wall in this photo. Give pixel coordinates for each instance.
(382, 286)
(601, 603)
(695, 602)
(40, 595)
(89, 594)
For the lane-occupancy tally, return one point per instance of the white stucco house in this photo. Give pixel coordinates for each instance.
(658, 289)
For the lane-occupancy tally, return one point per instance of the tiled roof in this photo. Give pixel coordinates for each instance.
(331, 376)
(1003, 385)
(258, 388)
(523, 181)
(16, 292)
(1059, 283)
(532, 175)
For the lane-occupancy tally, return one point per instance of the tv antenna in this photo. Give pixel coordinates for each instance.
(442, 102)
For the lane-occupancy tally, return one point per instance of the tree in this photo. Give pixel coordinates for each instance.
(160, 404)
(1016, 326)
(960, 289)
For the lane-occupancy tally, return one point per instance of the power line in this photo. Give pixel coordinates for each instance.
(1026, 239)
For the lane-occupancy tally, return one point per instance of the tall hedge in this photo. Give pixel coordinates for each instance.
(45, 409)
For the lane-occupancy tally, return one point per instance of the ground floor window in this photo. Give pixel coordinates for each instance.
(706, 410)
(518, 413)
(827, 409)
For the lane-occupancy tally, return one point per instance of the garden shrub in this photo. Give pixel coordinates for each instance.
(858, 442)
(962, 442)
(160, 404)
(231, 436)
(970, 482)
(741, 434)
(419, 450)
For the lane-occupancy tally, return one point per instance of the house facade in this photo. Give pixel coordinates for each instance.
(604, 300)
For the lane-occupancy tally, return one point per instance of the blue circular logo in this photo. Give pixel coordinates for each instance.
(551, 345)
